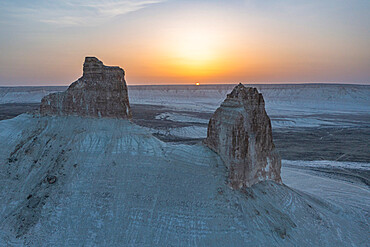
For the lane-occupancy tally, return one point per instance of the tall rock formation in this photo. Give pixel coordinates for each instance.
(240, 132)
(100, 92)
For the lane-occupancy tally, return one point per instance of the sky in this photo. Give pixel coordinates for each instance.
(186, 41)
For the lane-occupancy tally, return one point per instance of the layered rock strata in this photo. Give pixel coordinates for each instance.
(240, 132)
(100, 92)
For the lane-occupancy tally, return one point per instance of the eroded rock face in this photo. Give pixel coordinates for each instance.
(240, 132)
(100, 92)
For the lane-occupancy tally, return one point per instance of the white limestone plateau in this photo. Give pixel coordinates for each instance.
(81, 174)
(73, 181)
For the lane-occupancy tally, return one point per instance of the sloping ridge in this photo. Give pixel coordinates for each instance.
(79, 181)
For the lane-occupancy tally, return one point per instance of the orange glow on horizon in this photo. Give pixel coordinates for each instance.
(191, 41)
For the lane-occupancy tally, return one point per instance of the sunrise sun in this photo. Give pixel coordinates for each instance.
(196, 51)
(196, 47)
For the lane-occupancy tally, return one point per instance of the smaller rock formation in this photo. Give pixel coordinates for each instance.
(240, 132)
(100, 92)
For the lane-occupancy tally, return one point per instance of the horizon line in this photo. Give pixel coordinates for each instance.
(211, 84)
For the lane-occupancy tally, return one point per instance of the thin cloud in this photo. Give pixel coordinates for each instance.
(77, 12)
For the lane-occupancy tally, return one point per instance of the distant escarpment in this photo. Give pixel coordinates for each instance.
(240, 132)
(100, 92)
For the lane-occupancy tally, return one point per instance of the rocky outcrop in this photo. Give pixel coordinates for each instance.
(240, 132)
(100, 92)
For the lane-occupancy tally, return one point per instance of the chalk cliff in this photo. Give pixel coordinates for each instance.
(240, 132)
(100, 92)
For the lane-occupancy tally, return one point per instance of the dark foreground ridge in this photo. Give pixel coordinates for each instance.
(240, 132)
(100, 92)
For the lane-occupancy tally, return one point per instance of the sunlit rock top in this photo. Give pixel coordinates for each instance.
(240, 132)
(100, 92)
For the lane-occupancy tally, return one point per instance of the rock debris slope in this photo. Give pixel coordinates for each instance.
(100, 92)
(240, 132)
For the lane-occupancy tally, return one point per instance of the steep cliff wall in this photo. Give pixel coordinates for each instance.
(100, 92)
(240, 132)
